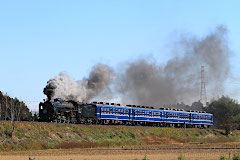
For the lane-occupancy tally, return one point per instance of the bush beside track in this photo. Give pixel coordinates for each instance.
(35, 136)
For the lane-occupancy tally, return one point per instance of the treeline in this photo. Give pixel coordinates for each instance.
(13, 109)
(226, 113)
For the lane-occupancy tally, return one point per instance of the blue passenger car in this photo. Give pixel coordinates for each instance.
(201, 118)
(110, 113)
(115, 113)
(177, 117)
(146, 115)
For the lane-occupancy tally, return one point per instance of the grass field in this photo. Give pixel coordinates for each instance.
(48, 141)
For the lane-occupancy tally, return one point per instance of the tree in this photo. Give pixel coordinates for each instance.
(35, 116)
(225, 111)
(13, 109)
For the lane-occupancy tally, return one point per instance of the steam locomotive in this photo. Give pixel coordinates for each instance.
(61, 111)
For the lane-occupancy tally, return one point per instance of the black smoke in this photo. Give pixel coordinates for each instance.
(146, 82)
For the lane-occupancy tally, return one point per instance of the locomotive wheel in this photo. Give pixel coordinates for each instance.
(89, 121)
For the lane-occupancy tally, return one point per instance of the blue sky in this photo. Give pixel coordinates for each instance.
(39, 39)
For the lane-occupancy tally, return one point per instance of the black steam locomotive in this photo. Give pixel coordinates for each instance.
(62, 111)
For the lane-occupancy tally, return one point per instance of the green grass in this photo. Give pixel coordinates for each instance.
(31, 136)
(181, 157)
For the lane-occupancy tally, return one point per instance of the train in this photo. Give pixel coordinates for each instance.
(63, 111)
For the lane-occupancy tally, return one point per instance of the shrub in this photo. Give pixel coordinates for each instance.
(236, 157)
(222, 158)
(180, 157)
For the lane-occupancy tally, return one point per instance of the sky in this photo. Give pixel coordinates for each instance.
(39, 39)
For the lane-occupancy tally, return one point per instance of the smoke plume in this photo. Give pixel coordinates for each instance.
(63, 86)
(146, 82)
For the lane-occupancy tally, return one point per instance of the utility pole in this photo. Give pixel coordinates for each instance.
(203, 94)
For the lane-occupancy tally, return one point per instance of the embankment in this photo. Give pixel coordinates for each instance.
(35, 136)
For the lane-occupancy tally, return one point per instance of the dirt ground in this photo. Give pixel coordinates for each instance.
(152, 152)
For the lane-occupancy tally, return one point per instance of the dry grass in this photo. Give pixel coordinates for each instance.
(153, 152)
(67, 145)
(158, 140)
(121, 155)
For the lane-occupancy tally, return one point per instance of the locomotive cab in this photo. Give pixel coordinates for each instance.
(89, 110)
(87, 113)
(46, 112)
